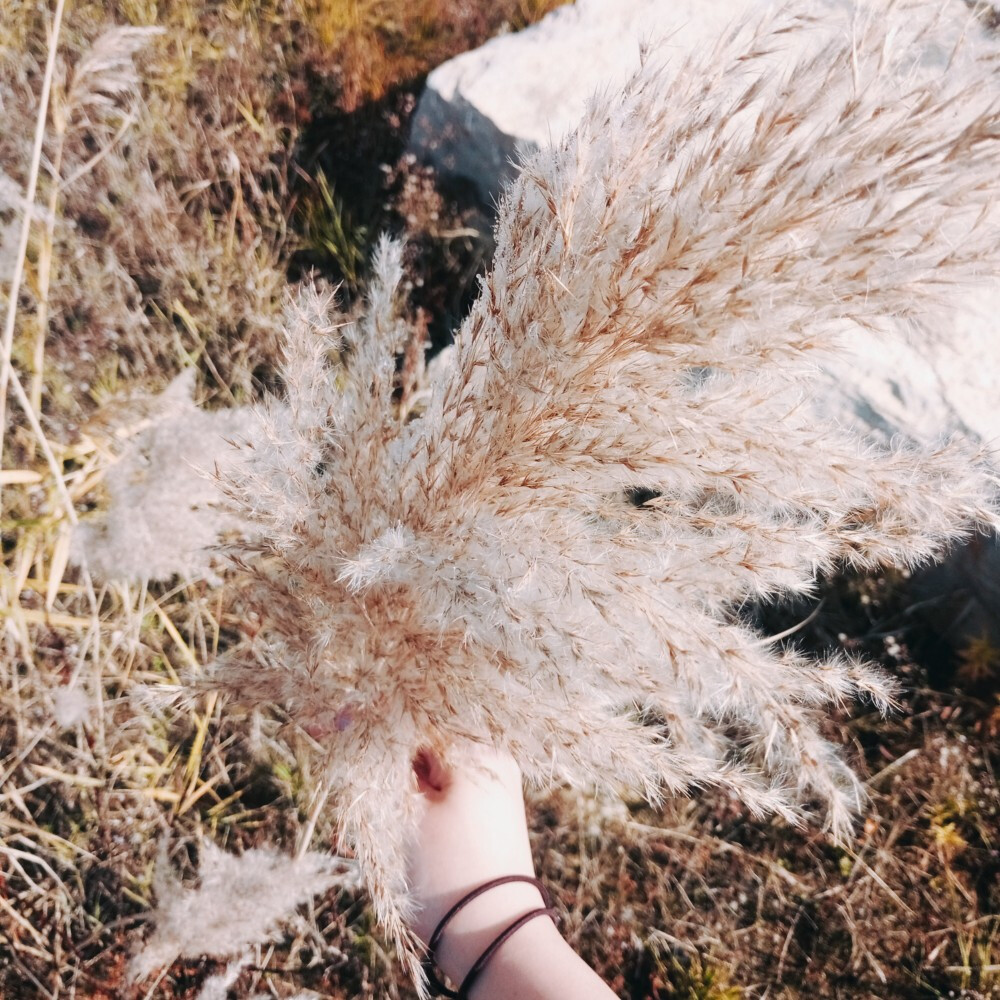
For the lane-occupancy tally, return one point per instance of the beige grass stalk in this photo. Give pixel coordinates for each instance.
(45, 265)
(7, 373)
(28, 214)
(104, 74)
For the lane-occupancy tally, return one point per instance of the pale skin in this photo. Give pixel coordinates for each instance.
(473, 830)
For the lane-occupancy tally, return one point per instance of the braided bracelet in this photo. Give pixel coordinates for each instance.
(438, 987)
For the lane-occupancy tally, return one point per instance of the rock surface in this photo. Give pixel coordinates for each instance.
(483, 110)
(922, 385)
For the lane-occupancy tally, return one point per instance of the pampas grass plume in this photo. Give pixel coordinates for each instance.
(551, 555)
(240, 901)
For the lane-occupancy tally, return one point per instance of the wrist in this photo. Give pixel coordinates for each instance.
(524, 963)
(537, 963)
(501, 938)
(481, 921)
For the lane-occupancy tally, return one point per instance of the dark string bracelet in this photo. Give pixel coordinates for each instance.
(438, 987)
(480, 963)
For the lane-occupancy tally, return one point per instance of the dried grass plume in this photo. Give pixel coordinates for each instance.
(552, 554)
(240, 901)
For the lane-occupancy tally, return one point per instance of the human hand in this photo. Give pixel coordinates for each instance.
(473, 830)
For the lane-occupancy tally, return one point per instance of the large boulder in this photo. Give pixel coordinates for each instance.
(922, 385)
(483, 110)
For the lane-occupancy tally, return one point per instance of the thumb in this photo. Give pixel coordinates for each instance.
(433, 778)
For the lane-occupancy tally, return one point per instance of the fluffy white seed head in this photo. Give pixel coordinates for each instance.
(552, 555)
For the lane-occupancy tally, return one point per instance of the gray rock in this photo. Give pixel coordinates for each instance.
(928, 386)
(922, 385)
(520, 91)
(482, 110)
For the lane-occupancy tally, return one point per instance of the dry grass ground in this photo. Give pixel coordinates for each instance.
(184, 177)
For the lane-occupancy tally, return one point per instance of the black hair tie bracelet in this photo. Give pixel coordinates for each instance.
(438, 988)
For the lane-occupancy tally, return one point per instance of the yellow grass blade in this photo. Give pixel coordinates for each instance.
(57, 565)
(79, 780)
(171, 630)
(250, 118)
(41, 834)
(160, 794)
(19, 477)
(193, 765)
(41, 586)
(196, 793)
(25, 558)
(56, 618)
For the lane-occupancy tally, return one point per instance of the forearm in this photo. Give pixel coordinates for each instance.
(472, 833)
(535, 963)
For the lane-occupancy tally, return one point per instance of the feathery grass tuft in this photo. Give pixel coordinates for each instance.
(665, 281)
